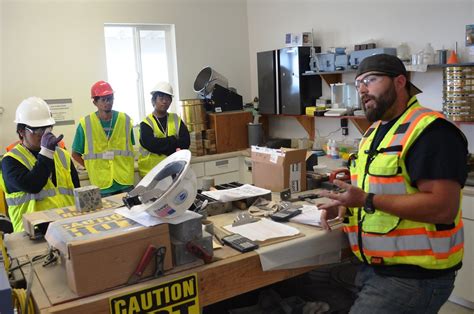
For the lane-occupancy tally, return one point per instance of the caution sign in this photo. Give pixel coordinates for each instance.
(179, 296)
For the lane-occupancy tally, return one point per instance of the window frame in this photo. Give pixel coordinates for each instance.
(170, 43)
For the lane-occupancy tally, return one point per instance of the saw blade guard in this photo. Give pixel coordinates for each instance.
(168, 190)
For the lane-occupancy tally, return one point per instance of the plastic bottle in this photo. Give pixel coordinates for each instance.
(428, 54)
(328, 148)
(403, 52)
(332, 149)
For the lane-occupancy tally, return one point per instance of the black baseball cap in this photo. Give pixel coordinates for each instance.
(389, 64)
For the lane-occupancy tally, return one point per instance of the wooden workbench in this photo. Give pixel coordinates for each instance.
(231, 274)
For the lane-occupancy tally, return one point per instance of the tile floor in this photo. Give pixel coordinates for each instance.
(453, 308)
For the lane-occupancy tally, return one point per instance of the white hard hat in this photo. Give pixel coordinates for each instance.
(34, 112)
(168, 190)
(162, 87)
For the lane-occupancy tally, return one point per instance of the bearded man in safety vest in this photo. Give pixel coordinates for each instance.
(402, 211)
(36, 173)
(161, 133)
(104, 144)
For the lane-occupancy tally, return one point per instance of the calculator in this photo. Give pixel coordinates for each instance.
(285, 214)
(240, 243)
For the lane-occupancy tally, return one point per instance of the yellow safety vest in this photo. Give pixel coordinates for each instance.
(382, 238)
(50, 196)
(110, 159)
(146, 159)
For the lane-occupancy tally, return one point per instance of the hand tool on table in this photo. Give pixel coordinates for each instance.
(285, 195)
(144, 261)
(197, 250)
(159, 261)
(244, 218)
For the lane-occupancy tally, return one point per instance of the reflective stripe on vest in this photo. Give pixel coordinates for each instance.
(26, 162)
(389, 185)
(15, 201)
(417, 241)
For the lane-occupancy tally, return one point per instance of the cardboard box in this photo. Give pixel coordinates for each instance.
(279, 169)
(298, 39)
(101, 250)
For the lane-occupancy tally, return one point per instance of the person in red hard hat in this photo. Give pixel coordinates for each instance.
(104, 144)
(36, 173)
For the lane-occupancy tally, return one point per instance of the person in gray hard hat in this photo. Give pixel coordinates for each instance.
(161, 133)
(36, 173)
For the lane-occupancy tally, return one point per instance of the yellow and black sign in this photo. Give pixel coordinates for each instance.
(179, 296)
(97, 225)
(68, 212)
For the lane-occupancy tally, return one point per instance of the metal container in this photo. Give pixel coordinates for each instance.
(458, 93)
(255, 134)
(206, 79)
(194, 115)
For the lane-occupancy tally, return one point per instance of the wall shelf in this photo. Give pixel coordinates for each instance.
(307, 122)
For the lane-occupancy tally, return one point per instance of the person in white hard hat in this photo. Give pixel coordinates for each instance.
(161, 133)
(36, 173)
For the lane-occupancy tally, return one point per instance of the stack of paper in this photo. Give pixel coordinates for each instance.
(263, 229)
(311, 215)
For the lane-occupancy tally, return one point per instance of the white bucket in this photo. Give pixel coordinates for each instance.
(206, 79)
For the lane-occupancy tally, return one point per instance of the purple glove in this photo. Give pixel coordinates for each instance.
(49, 141)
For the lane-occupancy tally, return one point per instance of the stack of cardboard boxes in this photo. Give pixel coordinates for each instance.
(203, 142)
(196, 147)
(210, 141)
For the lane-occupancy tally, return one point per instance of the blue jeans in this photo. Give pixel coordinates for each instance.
(381, 294)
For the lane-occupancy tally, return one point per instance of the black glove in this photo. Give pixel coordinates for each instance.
(49, 141)
(48, 144)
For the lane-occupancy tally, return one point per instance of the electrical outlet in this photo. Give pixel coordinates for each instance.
(344, 127)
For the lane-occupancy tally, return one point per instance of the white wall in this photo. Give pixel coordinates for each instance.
(345, 23)
(56, 49)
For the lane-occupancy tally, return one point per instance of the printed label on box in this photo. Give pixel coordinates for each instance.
(274, 158)
(295, 177)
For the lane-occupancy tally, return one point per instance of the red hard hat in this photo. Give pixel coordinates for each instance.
(101, 88)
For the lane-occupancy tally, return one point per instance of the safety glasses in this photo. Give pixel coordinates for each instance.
(108, 98)
(370, 80)
(165, 97)
(38, 131)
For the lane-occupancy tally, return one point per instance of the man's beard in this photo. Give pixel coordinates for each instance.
(382, 104)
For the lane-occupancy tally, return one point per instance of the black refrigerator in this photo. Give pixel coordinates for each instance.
(282, 89)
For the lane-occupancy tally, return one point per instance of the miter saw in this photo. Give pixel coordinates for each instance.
(168, 190)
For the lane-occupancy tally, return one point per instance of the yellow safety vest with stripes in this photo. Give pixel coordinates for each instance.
(50, 196)
(382, 238)
(146, 159)
(110, 159)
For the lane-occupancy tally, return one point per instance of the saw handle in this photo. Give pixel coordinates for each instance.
(145, 260)
(336, 175)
